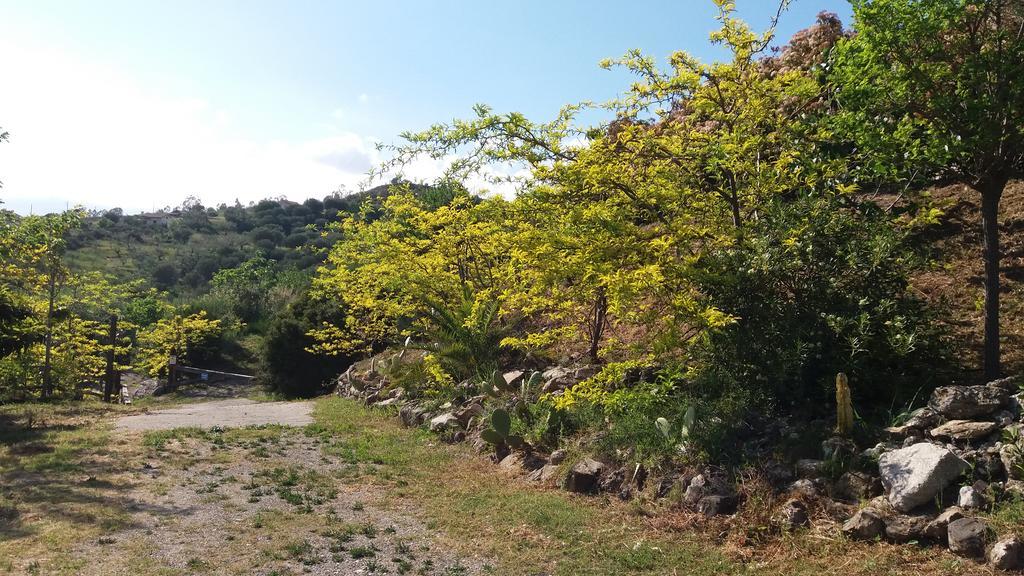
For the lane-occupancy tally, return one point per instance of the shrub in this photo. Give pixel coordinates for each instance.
(821, 286)
(287, 366)
(194, 338)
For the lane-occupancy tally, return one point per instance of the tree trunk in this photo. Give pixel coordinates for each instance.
(113, 378)
(48, 340)
(990, 195)
(598, 320)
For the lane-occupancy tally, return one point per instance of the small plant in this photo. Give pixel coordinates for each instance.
(500, 432)
(1014, 446)
(529, 385)
(685, 430)
(358, 552)
(495, 385)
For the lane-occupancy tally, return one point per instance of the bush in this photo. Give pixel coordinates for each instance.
(287, 367)
(194, 338)
(820, 287)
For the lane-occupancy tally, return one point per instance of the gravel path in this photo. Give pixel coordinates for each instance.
(269, 503)
(234, 412)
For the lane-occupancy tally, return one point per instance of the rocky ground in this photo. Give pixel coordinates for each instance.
(226, 486)
(357, 493)
(934, 481)
(265, 502)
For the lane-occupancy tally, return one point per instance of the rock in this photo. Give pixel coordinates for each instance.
(513, 461)
(393, 401)
(1014, 488)
(855, 486)
(469, 411)
(804, 487)
(1008, 385)
(513, 378)
(717, 504)
(965, 402)
(936, 530)
(791, 515)
(808, 468)
(557, 457)
(1004, 418)
(919, 420)
(989, 466)
(443, 422)
(901, 529)
(411, 415)
(971, 498)
(838, 448)
(556, 378)
(612, 481)
(866, 524)
(914, 475)
(964, 430)
(967, 537)
(923, 418)
(584, 476)
(545, 474)
(561, 377)
(1007, 554)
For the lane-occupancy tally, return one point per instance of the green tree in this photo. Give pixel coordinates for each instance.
(286, 364)
(192, 338)
(246, 287)
(933, 88)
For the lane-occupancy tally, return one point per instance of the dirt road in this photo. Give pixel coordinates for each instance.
(234, 412)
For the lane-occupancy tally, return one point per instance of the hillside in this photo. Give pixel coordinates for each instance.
(179, 250)
(956, 284)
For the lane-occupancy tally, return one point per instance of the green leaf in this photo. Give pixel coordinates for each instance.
(492, 437)
(664, 427)
(502, 422)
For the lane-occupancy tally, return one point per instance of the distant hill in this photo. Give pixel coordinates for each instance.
(179, 250)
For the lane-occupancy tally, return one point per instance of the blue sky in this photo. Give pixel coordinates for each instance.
(141, 103)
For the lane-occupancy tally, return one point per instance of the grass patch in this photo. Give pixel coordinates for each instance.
(526, 530)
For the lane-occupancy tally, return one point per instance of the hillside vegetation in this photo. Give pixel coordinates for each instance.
(781, 283)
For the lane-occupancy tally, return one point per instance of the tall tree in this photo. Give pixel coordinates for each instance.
(933, 87)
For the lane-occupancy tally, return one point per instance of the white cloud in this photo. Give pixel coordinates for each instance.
(85, 133)
(364, 98)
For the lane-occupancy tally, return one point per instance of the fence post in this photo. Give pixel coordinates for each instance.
(113, 378)
(171, 364)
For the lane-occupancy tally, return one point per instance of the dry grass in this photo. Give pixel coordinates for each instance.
(68, 497)
(956, 280)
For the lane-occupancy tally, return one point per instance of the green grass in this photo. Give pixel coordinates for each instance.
(481, 512)
(478, 510)
(248, 437)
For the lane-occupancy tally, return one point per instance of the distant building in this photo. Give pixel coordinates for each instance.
(159, 218)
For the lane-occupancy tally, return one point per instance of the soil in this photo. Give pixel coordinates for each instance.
(267, 500)
(233, 412)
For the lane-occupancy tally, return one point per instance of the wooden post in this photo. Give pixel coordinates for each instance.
(171, 364)
(113, 380)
